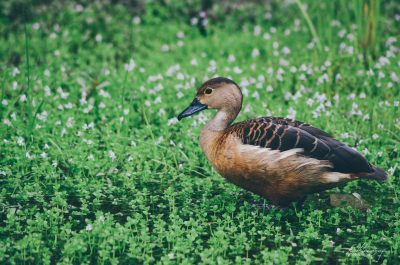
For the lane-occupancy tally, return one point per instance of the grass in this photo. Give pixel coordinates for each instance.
(94, 167)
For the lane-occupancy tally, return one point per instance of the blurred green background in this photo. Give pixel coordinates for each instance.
(96, 169)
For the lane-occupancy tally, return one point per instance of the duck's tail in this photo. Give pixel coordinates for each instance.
(378, 174)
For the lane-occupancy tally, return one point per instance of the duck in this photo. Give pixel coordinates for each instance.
(280, 159)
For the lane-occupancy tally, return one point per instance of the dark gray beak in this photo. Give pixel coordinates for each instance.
(193, 108)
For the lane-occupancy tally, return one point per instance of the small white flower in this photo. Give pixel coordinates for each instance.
(47, 91)
(112, 155)
(43, 155)
(247, 109)
(391, 170)
(98, 38)
(350, 50)
(47, 73)
(62, 93)
(4, 102)
(21, 141)
(104, 93)
(165, 48)
(70, 122)
(42, 116)
(344, 135)
(237, 70)
(15, 71)
(89, 227)
(394, 77)
(194, 21)
(366, 151)
(79, 8)
(285, 50)
(375, 136)
(130, 66)
(136, 20)
(194, 62)
(35, 26)
(159, 140)
(291, 113)
(14, 85)
(255, 53)
(171, 255)
(23, 98)
(7, 122)
(172, 121)
(256, 95)
(157, 100)
(180, 76)
(28, 156)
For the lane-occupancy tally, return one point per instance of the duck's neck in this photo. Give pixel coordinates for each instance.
(214, 129)
(221, 120)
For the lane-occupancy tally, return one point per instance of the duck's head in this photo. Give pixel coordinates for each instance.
(217, 93)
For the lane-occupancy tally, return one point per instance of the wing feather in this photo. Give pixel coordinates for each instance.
(285, 134)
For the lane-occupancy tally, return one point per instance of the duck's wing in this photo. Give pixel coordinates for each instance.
(285, 134)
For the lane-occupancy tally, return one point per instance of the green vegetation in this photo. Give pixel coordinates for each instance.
(95, 168)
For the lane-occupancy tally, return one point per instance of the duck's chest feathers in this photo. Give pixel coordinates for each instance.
(213, 145)
(223, 152)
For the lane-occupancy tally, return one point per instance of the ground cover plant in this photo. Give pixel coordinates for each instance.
(95, 168)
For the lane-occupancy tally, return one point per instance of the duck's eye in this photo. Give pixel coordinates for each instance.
(208, 91)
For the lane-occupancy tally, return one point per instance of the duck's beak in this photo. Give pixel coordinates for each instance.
(193, 108)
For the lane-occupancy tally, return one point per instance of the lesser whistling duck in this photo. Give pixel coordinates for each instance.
(280, 159)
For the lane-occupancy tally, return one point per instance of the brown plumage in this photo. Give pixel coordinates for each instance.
(280, 159)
